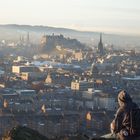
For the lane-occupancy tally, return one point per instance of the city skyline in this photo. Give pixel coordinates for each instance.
(109, 16)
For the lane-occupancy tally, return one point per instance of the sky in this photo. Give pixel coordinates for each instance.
(110, 16)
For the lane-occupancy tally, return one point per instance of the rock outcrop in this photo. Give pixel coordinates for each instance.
(23, 133)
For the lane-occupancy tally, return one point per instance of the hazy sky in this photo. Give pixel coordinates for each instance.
(120, 16)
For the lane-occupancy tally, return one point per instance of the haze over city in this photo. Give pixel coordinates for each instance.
(121, 17)
(69, 69)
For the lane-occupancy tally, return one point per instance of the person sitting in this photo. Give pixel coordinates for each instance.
(121, 125)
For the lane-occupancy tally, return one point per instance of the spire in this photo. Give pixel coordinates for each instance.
(101, 37)
(100, 46)
(28, 37)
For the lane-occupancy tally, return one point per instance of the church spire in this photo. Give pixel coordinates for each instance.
(100, 46)
(101, 37)
(28, 38)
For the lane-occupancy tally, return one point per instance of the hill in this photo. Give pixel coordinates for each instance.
(59, 40)
(13, 31)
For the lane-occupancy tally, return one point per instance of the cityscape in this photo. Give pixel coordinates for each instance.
(63, 82)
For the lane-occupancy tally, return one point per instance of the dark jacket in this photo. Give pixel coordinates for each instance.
(121, 120)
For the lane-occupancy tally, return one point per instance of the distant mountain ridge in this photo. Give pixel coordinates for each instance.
(41, 27)
(13, 31)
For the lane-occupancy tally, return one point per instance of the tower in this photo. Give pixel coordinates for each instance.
(100, 46)
(28, 38)
(21, 40)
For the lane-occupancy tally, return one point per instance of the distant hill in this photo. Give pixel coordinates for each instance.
(13, 31)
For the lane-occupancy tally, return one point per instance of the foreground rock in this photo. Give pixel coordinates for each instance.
(23, 133)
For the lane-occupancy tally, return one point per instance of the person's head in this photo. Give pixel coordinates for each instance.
(123, 98)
